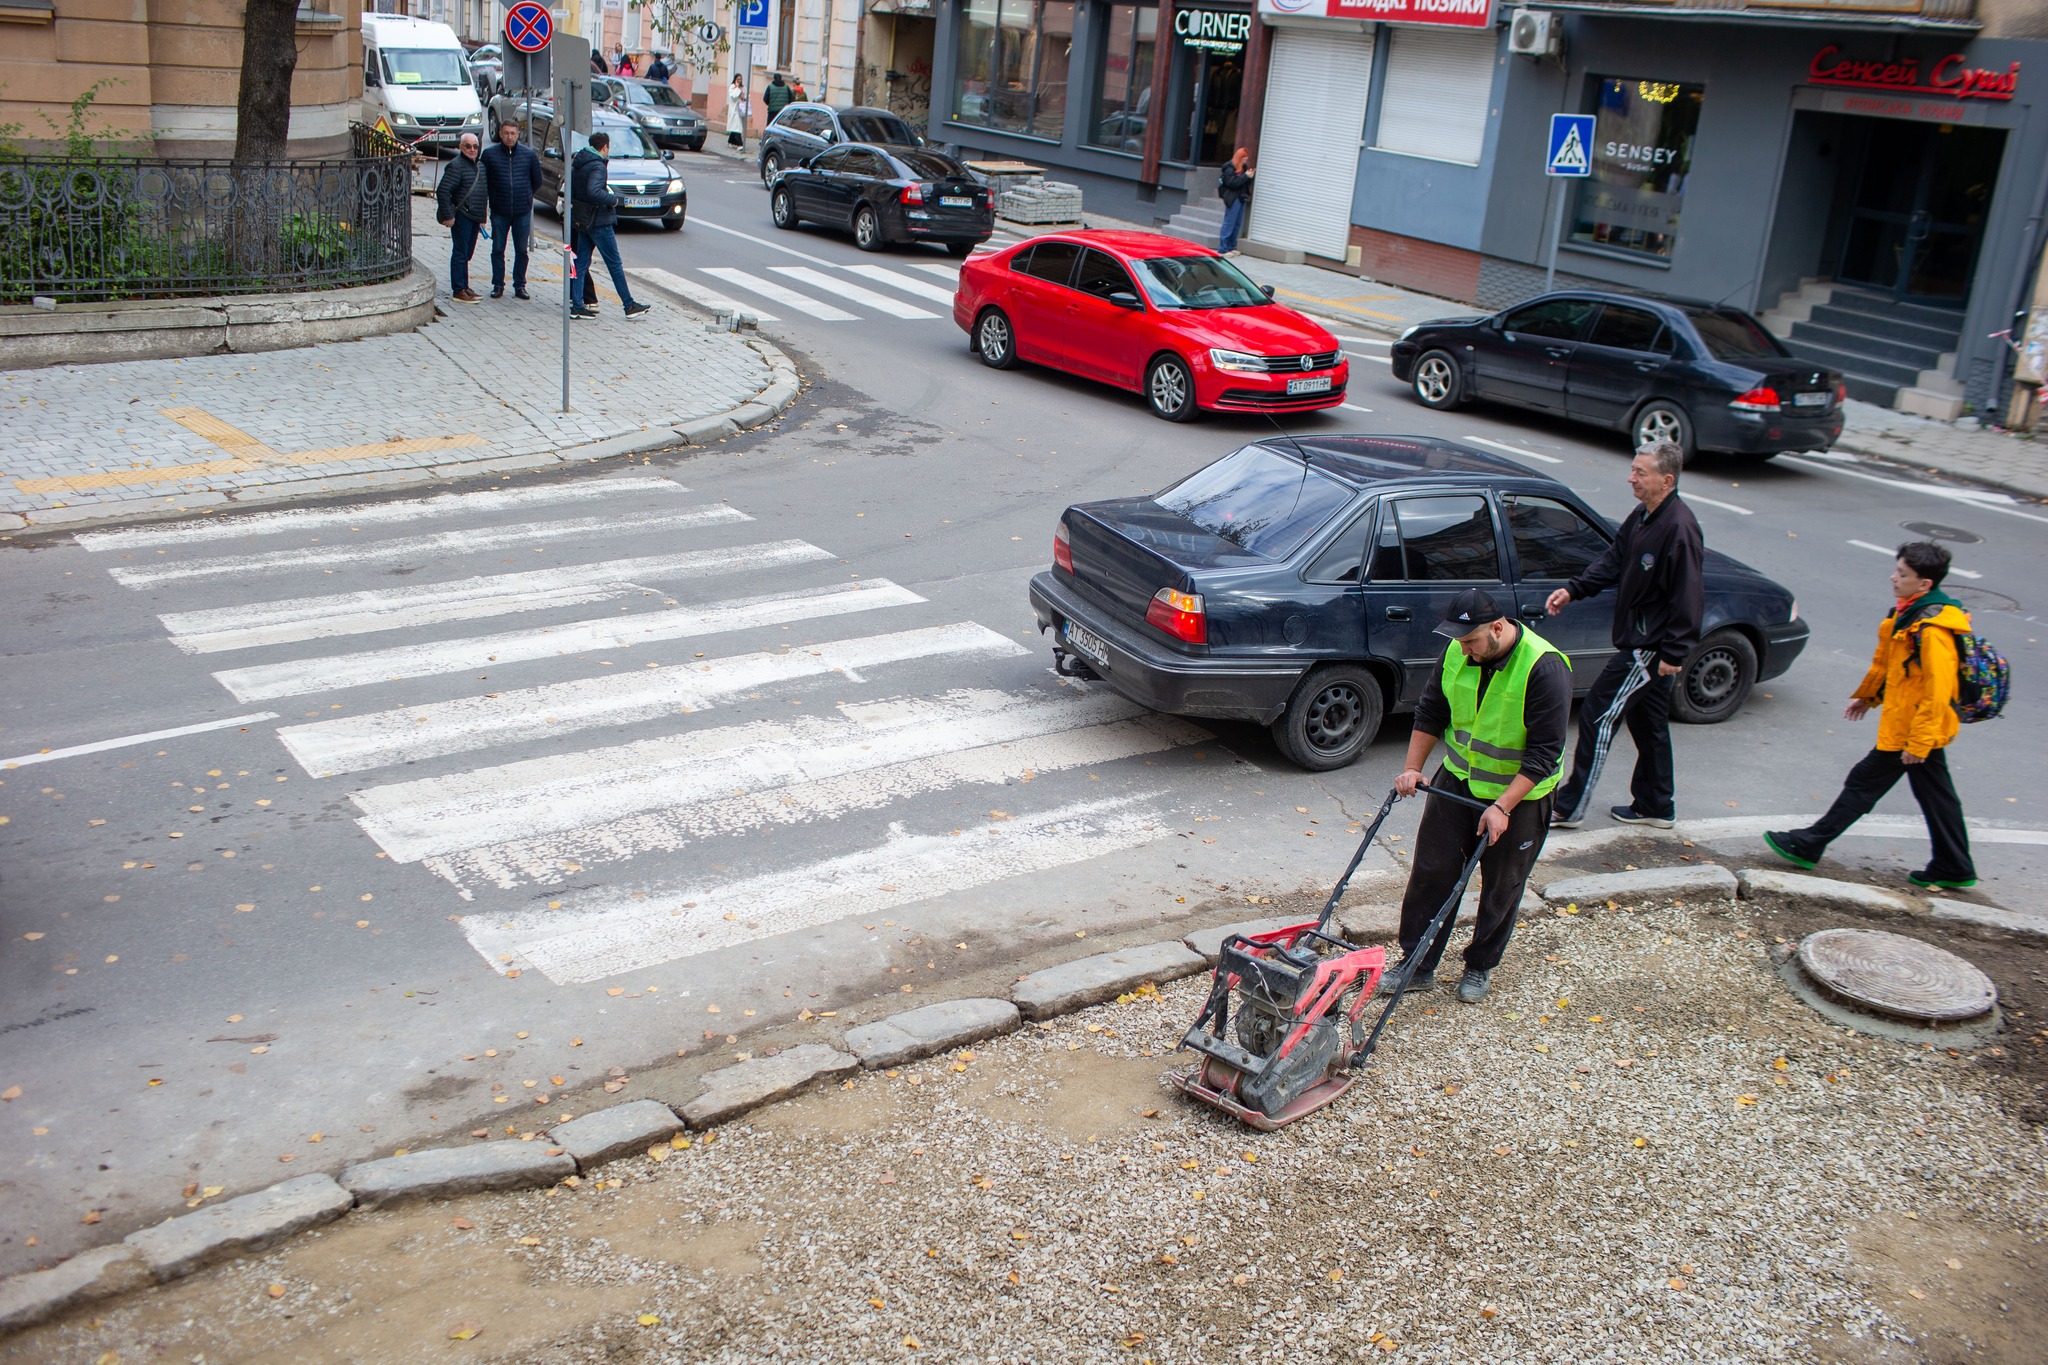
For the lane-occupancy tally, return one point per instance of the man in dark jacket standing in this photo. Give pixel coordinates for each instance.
(463, 203)
(596, 210)
(657, 70)
(776, 96)
(512, 173)
(1655, 566)
(1235, 185)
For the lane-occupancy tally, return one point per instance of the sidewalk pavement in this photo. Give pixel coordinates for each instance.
(478, 390)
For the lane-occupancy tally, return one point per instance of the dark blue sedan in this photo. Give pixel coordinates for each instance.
(1298, 584)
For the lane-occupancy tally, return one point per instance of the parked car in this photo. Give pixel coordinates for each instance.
(507, 106)
(1298, 585)
(486, 70)
(648, 187)
(803, 129)
(416, 79)
(1155, 314)
(886, 195)
(662, 114)
(1704, 376)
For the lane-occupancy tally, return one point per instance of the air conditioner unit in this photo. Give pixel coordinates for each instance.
(1535, 33)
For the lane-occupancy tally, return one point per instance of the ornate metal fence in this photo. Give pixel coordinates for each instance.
(81, 230)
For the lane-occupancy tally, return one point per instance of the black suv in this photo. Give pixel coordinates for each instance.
(803, 130)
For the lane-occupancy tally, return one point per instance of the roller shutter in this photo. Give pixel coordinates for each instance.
(1438, 85)
(1309, 138)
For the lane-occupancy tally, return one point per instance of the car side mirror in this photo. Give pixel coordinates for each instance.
(552, 154)
(668, 155)
(831, 136)
(1124, 298)
(1267, 290)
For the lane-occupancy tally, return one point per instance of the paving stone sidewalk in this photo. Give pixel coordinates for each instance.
(478, 389)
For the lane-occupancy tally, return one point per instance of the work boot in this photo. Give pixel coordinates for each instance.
(1472, 989)
(1421, 983)
(1787, 845)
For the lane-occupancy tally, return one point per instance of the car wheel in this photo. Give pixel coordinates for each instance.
(1715, 681)
(867, 230)
(994, 341)
(1333, 715)
(771, 166)
(782, 208)
(1661, 420)
(1437, 381)
(960, 250)
(1170, 389)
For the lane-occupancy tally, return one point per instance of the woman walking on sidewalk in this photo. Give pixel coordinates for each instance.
(736, 113)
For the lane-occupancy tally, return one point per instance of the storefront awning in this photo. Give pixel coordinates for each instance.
(1948, 16)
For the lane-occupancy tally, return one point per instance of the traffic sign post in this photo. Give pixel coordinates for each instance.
(572, 115)
(1568, 157)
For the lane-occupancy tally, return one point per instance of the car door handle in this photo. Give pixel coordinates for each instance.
(1556, 353)
(1399, 614)
(1649, 366)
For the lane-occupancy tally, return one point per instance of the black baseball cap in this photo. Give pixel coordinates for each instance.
(1468, 611)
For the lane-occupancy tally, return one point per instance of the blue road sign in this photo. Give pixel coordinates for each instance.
(528, 26)
(750, 21)
(1571, 145)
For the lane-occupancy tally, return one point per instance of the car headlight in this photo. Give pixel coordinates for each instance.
(1795, 612)
(675, 186)
(643, 116)
(399, 120)
(1237, 360)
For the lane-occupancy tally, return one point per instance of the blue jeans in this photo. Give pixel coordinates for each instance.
(606, 241)
(464, 234)
(1233, 221)
(518, 227)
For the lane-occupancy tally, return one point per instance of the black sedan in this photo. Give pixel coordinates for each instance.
(1298, 584)
(886, 194)
(1706, 377)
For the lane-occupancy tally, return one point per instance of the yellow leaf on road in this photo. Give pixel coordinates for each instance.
(463, 1331)
(276, 1291)
(648, 1320)
(529, 1241)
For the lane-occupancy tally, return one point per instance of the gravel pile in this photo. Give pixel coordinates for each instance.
(1642, 1148)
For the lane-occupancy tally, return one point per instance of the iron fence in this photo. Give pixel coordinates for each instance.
(95, 229)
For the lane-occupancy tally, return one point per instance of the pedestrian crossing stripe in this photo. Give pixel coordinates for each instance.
(867, 298)
(782, 294)
(907, 284)
(697, 293)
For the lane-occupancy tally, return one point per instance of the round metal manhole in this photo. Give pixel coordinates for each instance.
(1980, 598)
(1934, 530)
(1896, 976)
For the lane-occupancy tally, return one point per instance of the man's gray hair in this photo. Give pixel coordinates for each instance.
(1666, 455)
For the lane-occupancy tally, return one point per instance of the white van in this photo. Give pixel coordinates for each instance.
(416, 78)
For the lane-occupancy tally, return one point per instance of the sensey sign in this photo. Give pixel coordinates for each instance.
(1446, 13)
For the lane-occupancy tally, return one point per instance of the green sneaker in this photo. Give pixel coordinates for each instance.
(1941, 884)
(1781, 844)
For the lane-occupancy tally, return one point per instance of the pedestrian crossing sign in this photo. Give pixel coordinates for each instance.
(1571, 143)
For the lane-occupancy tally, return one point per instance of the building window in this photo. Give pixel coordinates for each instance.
(1642, 156)
(1123, 77)
(1434, 100)
(1012, 69)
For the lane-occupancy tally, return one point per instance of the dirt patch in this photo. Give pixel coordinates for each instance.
(1962, 1291)
(1078, 1093)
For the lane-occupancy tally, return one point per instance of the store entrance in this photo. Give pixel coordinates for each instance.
(1922, 197)
(1205, 83)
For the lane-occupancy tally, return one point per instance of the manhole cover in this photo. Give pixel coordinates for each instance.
(1896, 975)
(1934, 530)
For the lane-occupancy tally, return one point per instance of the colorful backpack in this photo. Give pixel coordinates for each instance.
(1983, 678)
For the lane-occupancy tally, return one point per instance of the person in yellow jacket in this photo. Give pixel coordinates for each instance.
(1912, 679)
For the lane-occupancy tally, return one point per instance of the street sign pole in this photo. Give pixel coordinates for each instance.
(572, 116)
(1556, 231)
(1569, 156)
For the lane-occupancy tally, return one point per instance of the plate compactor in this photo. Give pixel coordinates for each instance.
(1299, 995)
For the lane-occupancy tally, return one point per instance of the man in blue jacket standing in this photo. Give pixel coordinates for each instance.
(596, 210)
(513, 175)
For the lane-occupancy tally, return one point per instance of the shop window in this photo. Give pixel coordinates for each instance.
(1123, 78)
(1012, 68)
(1434, 100)
(1642, 157)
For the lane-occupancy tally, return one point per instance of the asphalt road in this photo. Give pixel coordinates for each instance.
(503, 789)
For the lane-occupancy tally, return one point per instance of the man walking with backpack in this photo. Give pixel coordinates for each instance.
(1913, 679)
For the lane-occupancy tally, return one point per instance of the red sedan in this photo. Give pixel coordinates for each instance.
(1165, 317)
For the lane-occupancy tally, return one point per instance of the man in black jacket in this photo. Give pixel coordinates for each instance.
(513, 174)
(1655, 566)
(462, 203)
(596, 210)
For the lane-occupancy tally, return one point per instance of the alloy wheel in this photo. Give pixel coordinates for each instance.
(1433, 379)
(1659, 424)
(1169, 387)
(993, 339)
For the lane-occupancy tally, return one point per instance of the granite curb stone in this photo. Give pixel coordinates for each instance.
(249, 1223)
(733, 1090)
(930, 1028)
(1091, 980)
(1756, 881)
(1709, 879)
(1987, 916)
(455, 1170)
(619, 1131)
(26, 1300)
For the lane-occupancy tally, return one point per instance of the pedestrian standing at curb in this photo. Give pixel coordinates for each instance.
(1912, 680)
(597, 216)
(512, 178)
(775, 96)
(1500, 704)
(1656, 568)
(1234, 183)
(736, 113)
(463, 204)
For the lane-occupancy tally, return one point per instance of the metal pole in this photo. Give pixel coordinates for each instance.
(567, 123)
(1556, 231)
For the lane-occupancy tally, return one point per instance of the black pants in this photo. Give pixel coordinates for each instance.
(1446, 839)
(1876, 773)
(1628, 688)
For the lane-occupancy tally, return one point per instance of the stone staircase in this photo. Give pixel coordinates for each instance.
(1896, 355)
(1200, 219)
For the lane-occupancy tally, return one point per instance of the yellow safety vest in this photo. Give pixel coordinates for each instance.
(1487, 739)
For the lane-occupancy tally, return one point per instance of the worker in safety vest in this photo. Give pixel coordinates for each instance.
(1500, 704)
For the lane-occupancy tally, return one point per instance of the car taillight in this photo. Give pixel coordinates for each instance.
(1179, 614)
(1762, 398)
(1062, 550)
(1841, 394)
(913, 194)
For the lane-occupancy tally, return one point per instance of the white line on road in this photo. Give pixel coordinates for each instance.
(788, 298)
(1361, 341)
(246, 625)
(883, 274)
(1513, 450)
(944, 272)
(1376, 359)
(301, 676)
(1990, 502)
(1890, 553)
(426, 548)
(97, 746)
(358, 743)
(1353, 407)
(369, 514)
(612, 932)
(760, 241)
(698, 293)
(833, 284)
(1691, 496)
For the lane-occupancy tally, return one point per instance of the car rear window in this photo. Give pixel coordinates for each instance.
(932, 166)
(1734, 335)
(1259, 500)
(876, 128)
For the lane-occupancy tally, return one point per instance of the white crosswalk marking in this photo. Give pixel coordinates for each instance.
(698, 293)
(788, 298)
(355, 613)
(614, 932)
(302, 676)
(944, 272)
(867, 298)
(884, 275)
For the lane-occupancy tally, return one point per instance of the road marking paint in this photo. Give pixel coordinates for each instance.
(1353, 407)
(358, 743)
(1890, 553)
(427, 548)
(944, 272)
(788, 298)
(1870, 827)
(760, 241)
(610, 933)
(908, 285)
(1376, 359)
(1988, 501)
(699, 293)
(1513, 450)
(98, 746)
(293, 619)
(179, 473)
(299, 677)
(1691, 496)
(1339, 303)
(1362, 341)
(832, 284)
(367, 514)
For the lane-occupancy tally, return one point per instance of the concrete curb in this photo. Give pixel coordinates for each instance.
(1769, 881)
(1920, 462)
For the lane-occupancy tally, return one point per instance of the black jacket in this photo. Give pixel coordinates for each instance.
(1546, 709)
(513, 177)
(462, 190)
(1656, 567)
(658, 71)
(1234, 185)
(594, 205)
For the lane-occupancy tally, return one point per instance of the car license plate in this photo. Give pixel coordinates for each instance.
(1319, 384)
(1809, 400)
(955, 201)
(1086, 641)
(641, 201)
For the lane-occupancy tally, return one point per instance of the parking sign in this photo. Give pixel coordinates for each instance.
(1571, 145)
(751, 18)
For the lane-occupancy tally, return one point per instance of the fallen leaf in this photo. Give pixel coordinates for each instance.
(12, 1092)
(209, 1191)
(276, 1291)
(1916, 1293)
(1675, 1282)
(648, 1320)
(616, 990)
(463, 1224)
(531, 1241)
(1953, 1264)
(463, 1331)
(92, 1216)
(1453, 1088)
